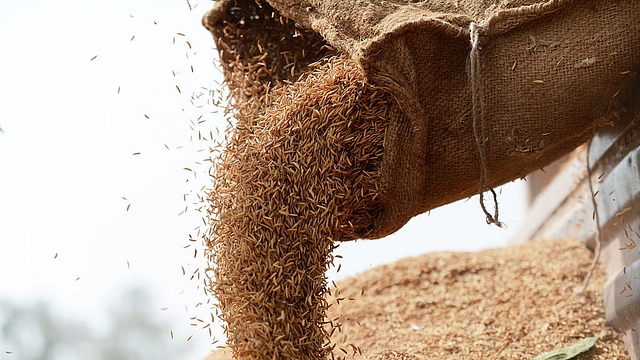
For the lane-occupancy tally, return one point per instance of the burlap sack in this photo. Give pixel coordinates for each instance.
(485, 91)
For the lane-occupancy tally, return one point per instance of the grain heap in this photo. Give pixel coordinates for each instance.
(510, 303)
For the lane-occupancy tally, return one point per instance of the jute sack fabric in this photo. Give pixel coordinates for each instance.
(484, 92)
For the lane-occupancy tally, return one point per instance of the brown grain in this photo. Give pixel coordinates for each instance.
(300, 172)
(509, 303)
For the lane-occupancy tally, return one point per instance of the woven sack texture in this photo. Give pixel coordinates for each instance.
(350, 118)
(484, 92)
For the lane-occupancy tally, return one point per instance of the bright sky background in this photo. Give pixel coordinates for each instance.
(93, 156)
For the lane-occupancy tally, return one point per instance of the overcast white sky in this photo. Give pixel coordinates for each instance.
(93, 156)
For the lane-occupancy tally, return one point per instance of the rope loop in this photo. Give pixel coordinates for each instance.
(478, 116)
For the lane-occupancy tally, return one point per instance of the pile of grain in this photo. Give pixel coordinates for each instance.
(299, 173)
(511, 303)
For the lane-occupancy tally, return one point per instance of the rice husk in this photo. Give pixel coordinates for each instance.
(299, 172)
(509, 303)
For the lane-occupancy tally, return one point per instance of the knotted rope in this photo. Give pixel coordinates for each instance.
(477, 102)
